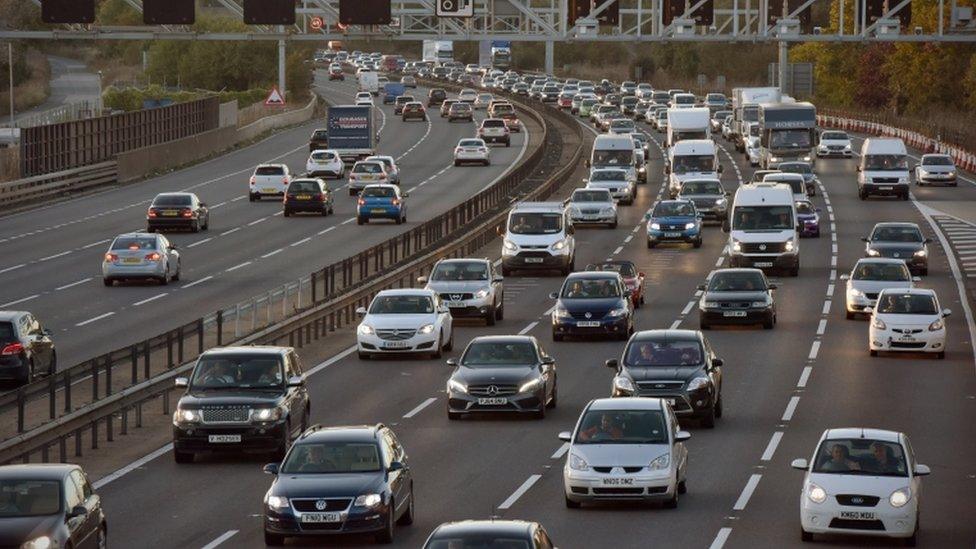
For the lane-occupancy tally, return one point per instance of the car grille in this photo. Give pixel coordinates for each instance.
(908, 345)
(672, 227)
(236, 414)
(485, 389)
(703, 202)
(588, 316)
(626, 469)
(535, 254)
(857, 501)
(660, 386)
(618, 491)
(835, 147)
(884, 180)
(848, 524)
(396, 334)
(589, 212)
(457, 297)
(907, 330)
(897, 253)
(735, 304)
(763, 247)
(331, 504)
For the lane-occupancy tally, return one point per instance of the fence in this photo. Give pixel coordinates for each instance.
(54, 184)
(332, 294)
(63, 113)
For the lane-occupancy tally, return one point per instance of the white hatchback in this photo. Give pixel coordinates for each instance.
(405, 321)
(364, 99)
(472, 150)
(908, 320)
(325, 163)
(861, 482)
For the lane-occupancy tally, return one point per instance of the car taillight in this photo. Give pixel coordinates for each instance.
(320, 198)
(151, 212)
(187, 212)
(253, 180)
(12, 349)
(286, 180)
(109, 258)
(285, 198)
(153, 256)
(361, 202)
(396, 201)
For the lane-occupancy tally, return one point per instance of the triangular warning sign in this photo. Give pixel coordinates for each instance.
(274, 98)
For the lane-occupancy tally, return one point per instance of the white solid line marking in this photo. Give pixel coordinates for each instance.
(721, 538)
(73, 284)
(194, 283)
(221, 539)
(790, 408)
(675, 324)
(198, 242)
(804, 377)
(814, 350)
(822, 326)
(750, 487)
(256, 221)
(21, 300)
(771, 447)
(323, 231)
(240, 197)
(528, 328)
(561, 451)
(235, 267)
(14, 268)
(302, 241)
(520, 491)
(269, 254)
(153, 298)
(234, 230)
(423, 405)
(688, 308)
(826, 307)
(86, 246)
(98, 484)
(331, 361)
(99, 317)
(54, 256)
(719, 262)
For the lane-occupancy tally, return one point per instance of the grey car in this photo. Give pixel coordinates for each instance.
(593, 206)
(144, 256)
(935, 168)
(469, 287)
(709, 196)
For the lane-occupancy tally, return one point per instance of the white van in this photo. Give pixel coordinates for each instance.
(762, 228)
(369, 81)
(688, 124)
(793, 180)
(614, 151)
(883, 169)
(691, 159)
(538, 235)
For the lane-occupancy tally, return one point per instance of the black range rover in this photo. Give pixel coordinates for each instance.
(677, 365)
(241, 399)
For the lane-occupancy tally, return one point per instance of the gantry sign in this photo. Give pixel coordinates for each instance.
(525, 20)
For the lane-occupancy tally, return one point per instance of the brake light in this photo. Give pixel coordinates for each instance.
(320, 198)
(286, 180)
(253, 180)
(153, 256)
(187, 212)
(396, 201)
(151, 213)
(361, 202)
(109, 258)
(12, 349)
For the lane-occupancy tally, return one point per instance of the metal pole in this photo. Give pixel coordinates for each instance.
(10, 65)
(941, 15)
(281, 63)
(735, 17)
(783, 64)
(549, 56)
(842, 17)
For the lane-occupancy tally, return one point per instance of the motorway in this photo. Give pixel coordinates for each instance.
(249, 249)
(782, 388)
(71, 82)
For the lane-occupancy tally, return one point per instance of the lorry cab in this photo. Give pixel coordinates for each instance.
(763, 229)
(883, 169)
(691, 159)
(614, 151)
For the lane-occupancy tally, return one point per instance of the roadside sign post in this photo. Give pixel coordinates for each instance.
(275, 99)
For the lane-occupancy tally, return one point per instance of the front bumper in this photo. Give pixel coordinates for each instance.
(354, 521)
(536, 260)
(937, 178)
(604, 327)
(255, 438)
(714, 214)
(857, 303)
(694, 404)
(685, 235)
(517, 403)
(825, 518)
(594, 219)
(153, 270)
(777, 261)
(923, 342)
(469, 308)
(885, 189)
(419, 343)
(584, 486)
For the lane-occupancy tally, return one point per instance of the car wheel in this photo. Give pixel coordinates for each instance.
(672, 503)
(698, 243)
(52, 368)
(29, 374)
(179, 267)
(456, 163)
(683, 487)
(360, 220)
(407, 517)
(364, 356)
(101, 541)
(708, 420)
(325, 211)
(557, 337)
(768, 324)
(925, 272)
(182, 457)
(940, 355)
(805, 536)
(570, 504)
(150, 230)
(912, 541)
(352, 191)
(251, 197)
(164, 280)
(287, 213)
(195, 226)
(541, 412)
(490, 316)
(206, 226)
(850, 315)
(500, 310)
(719, 405)
(450, 343)
(273, 540)
(874, 353)
(439, 347)
(614, 224)
(386, 536)
(506, 271)
(553, 399)
(399, 220)
(651, 244)
(107, 281)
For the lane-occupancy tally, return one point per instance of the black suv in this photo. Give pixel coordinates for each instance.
(737, 296)
(26, 348)
(436, 96)
(340, 480)
(489, 533)
(502, 374)
(677, 365)
(241, 399)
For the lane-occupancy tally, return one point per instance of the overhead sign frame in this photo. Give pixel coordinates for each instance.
(454, 8)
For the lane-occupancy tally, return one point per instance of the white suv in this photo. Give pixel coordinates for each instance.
(628, 448)
(539, 235)
(494, 130)
(469, 288)
(405, 321)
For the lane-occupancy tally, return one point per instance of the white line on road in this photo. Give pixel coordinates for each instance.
(221, 539)
(256, 221)
(73, 284)
(423, 405)
(520, 491)
(814, 350)
(97, 318)
(14, 268)
(721, 538)
(234, 230)
(86, 246)
(791, 408)
(350, 220)
(269, 254)
(830, 290)
(750, 487)
(235, 267)
(688, 308)
(719, 261)
(618, 250)
(300, 242)
(331, 361)
(323, 231)
(826, 307)
(54, 256)
(194, 283)
(198, 242)
(771, 447)
(153, 298)
(804, 377)
(561, 451)
(132, 466)
(822, 326)
(21, 300)
(675, 324)
(528, 328)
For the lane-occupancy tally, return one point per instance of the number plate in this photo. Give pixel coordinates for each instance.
(533, 260)
(223, 439)
(304, 197)
(762, 264)
(885, 188)
(455, 304)
(170, 213)
(618, 482)
(132, 260)
(321, 517)
(269, 190)
(857, 515)
(492, 401)
(907, 339)
(395, 345)
(588, 324)
(733, 313)
(672, 235)
(378, 210)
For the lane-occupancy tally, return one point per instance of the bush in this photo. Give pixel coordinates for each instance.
(131, 99)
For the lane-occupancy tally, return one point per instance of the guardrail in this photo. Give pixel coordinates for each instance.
(45, 186)
(333, 293)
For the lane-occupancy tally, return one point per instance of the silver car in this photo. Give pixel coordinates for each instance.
(469, 287)
(709, 196)
(869, 276)
(935, 168)
(628, 448)
(593, 206)
(141, 256)
(616, 181)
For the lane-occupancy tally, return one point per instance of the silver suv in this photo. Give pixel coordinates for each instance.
(469, 287)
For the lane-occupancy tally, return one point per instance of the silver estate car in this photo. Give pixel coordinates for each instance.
(141, 256)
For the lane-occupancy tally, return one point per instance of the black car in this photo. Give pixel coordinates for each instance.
(502, 374)
(50, 505)
(177, 210)
(241, 399)
(903, 241)
(26, 348)
(308, 195)
(593, 303)
(737, 296)
(677, 365)
(340, 480)
(488, 534)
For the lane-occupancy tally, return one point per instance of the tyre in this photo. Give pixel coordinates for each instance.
(702, 325)
(206, 226)
(672, 503)
(795, 270)
(874, 353)
(450, 343)
(453, 416)
(490, 315)
(570, 504)
(768, 324)
(273, 539)
(940, 355)
(861, 195)
(287, 213)
(364, 356)
(557, 337)
(708, 420)
(913, 540)
(439, 346)
(386, 536)
(164, 280)
(107, 281)
(407, 517)
(719, 405)
(500, 310)
(650, 244)
(904, 196)
(182, 457)
(614, 224)
(925, 272)
(360, 220)
(805, 536)
(698, 243)
(252, 197)
(352, 191)
(506, 271)
(325, 211)
(195, 226)
(399, 220)
(850, 315)
(150, 230)
(176, 277)
(540, 413)
(683, 487)
(554, 398)
(456, 163)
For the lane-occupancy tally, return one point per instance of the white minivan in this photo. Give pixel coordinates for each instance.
(883, 169)
(762, 228)
(538, 235)
(614, 151)
(691, 159)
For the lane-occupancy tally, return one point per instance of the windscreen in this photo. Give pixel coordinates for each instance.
(173, 200)
(499, 353)
(401, 305)
(740, 281)
(796, 184)
(885, 162)
(672, 209)
(860, 456)
(750, 114)
(702, 187)
(332, 457)
(622, 124)
(936, 161)
(693, 163)
(663, 353)
(762, 218)
(460, 271)
(896, 234)
(622, 427)
(613, 157)
(907, 304)
(790, 139)
(29, 498)
(834, 136)
(684, 99)
(887, 272)
(796, 167)
(7, 332)
(244, 371)
(591, 196)
(591, 288)
(535, 223)
(689, 134)
(608, 175)
(326, 156)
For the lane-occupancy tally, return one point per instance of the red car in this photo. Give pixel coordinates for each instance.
(336, 74)
(633, 278)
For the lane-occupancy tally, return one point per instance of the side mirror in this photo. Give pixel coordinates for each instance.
(946, 312)
(405, 195)
(858, 168)
(498, 279)
(721, 168)
(360, 311)
(928, 240)
(845, 276)
(296, 381)
(726, 227)
(271, 468)
(701, 287)
(718, 362)
(78, 511)
(864, 239)
(667, 169)
(421, 280)
(641, 274)
(554, 295)
(647, 217)
(204, 204)
(773, 286)
(499, 231)
(682, 436)
(612, 363)
(182, 382)
(395, 466)
(585, 180)
(452, 362)
(171, 247)
(548, 360)
(443, 309)
(800, 464)
(47, 331)
(565, 436)
(922, 470)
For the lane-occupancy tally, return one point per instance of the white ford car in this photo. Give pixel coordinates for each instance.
(405, 321)
(325, 163)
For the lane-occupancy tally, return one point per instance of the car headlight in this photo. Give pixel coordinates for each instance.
(561, 312)
(773, 159)
(426, 329)
(689, 226)
(937, 325)
(265, 414)
(854, 292)
(720, 202)
(900, 497)
(790, 245)
(482, 293)
(619, 311)
(711, 304)
(366, 329)
(952, 173)
(530, 386)
(873, 253)
(510, 246)
(659, 463)
(368, 500)
(42, 542)
(736, 246)
(577, 463)
(183, 415)
(698, 383)
(655, 226)
(921, 253)
(759, 304)
(623, 384)
(806, 158)
(847, 147)
(276, 502)
(558, 245)
(879, 324)
(816, 493)
(903, 180)
(607, 211)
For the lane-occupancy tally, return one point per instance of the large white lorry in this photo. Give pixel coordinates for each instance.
(688, 124)
(438, 52)
(745, 111)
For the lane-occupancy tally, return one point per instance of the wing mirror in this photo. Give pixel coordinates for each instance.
(296, 381)
(701, 287)
(865, 239)
(922, 470)
(395, 466)
(548, 360)
(360, 311)
(928, 240)
(272, 468)
(182, 382)
(452, 362)
(868, 310)
(946, 312)
(647, 217)
(613, 364)
(773, 286)
(718, 362)
(845, 276)
(204, 204)
(554, 295)
(421, 280)
(800, 464)
(78, 511)
(499, 231)
(682, 436)
(565, 436)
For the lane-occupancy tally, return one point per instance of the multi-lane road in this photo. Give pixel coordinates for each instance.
(781, 387)
(53, 254)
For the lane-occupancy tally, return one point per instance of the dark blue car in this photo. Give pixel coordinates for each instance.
(674, 221)
(593, 303)
(381, 202)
